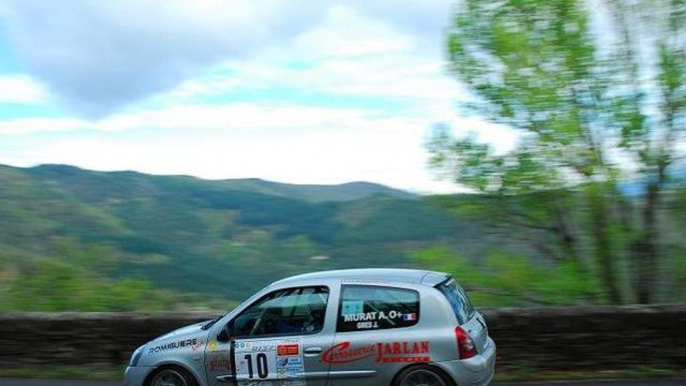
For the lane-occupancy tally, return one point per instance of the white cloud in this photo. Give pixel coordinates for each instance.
(425, 19)
(100, 56)
(287, 119)
(298, 144)
(32, 125)
(348, 32)
(235, 116)
(503, 138)
(370, 60)
(387, 61)
(21, 89)
(387, 77)
(312, 156)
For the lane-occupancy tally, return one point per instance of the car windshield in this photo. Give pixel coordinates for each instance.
(458, 299)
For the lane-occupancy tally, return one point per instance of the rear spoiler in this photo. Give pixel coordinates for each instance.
(434, 278)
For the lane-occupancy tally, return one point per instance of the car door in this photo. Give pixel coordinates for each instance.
(276, 341)
(374, 335)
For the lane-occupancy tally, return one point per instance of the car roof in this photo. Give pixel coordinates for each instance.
(412, 276)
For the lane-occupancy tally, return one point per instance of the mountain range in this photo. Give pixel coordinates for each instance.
(222, 239)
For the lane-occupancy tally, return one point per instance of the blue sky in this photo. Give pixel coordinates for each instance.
(285, 90)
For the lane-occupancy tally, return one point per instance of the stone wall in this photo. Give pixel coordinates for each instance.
(539, 338)
(38, 339)
(591, 337)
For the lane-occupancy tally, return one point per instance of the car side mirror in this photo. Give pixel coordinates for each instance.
(224, 336)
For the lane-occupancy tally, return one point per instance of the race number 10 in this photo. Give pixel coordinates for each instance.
(259, 364)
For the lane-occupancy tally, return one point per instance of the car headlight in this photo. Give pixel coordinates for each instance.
(136, 356)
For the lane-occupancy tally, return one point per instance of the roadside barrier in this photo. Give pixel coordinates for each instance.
(557, 338)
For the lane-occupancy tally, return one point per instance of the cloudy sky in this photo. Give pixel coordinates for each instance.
(287, 90)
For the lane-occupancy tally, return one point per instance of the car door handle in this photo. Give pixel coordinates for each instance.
(313, 351)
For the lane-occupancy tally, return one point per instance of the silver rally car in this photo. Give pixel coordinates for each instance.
(338, 328)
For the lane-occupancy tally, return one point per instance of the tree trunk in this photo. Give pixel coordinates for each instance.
(646, 249)
(567, 238)
(603, 245)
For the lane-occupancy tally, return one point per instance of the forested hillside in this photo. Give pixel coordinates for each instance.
(181, 235)
(73, 239)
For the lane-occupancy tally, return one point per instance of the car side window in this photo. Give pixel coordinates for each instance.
(292, 311)
(367, 307)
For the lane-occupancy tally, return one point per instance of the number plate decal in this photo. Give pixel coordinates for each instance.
(270, 362)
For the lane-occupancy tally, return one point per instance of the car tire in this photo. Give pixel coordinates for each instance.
(423, 375)
(172, 375)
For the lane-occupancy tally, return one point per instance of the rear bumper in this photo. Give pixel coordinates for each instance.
(135, 376)
(474, 371)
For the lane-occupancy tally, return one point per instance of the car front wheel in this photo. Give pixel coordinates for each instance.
(172, 376)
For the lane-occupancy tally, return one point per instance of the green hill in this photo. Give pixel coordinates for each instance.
(222, 239)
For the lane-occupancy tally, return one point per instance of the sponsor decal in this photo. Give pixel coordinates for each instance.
(410, 317)
(392, 352)
(287, 349)
(370, 320)
(292, 372)
(343, 353)
(220, 364)
(255, 346)
(260, 361)
(242, 345)
(365, 316)
(289, 361)
(212, 345)
(193, 343)
(378, 315)
(197, 345)
(405, 352)
(367, 325)
(350, 307)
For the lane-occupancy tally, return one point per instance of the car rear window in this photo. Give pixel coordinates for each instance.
(365, 307)
(458, 299)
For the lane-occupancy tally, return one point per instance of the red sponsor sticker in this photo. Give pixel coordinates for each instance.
(197, 344)
(287, 349)
(391, 352)
(342, 353)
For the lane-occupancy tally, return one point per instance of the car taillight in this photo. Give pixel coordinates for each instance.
(465, 345)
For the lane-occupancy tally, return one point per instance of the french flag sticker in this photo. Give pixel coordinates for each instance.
(410, 317)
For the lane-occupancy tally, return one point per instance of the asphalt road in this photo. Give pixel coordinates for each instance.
(657, 382)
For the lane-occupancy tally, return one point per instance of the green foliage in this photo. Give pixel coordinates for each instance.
(504, 279)
(78, 240)
(76, 279)
(678, 268)
(591, 118)
(105, 232)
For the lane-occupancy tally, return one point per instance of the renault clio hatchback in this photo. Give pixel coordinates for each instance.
(386, 327)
